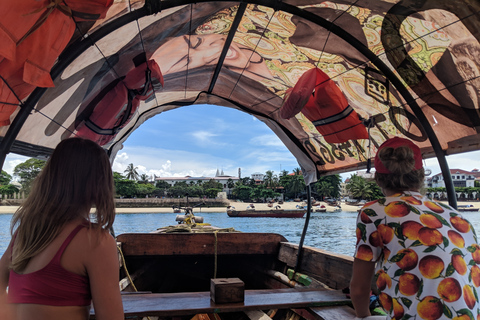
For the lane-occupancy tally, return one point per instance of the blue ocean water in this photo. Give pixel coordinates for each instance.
(328, 231)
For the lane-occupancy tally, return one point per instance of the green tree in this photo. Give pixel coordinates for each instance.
(242, 192)
(230, 183)
(117, 176)
(5, 178)
(376, 191)
(262, 192)
(268, 180)
(247, 182)
(324, 189)
(212, 192)
(125, 188)
(283, 173)
(195, 190)
(334, 181)
(162, 184)
(143, 178)
(180, 189)
(8, 190)
(359, 188)
(297, 185)
(144, 189)
(297, 171)
(27, 171)
(131, 172)
(212, 184)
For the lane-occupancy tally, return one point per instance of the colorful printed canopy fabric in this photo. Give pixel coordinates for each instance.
(411, 68)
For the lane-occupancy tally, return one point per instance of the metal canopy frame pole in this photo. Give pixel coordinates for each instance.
(305, 227)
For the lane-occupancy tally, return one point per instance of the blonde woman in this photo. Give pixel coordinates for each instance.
(61, 258)
(422, 254)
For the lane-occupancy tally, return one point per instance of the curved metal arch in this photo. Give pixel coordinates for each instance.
(79, 46)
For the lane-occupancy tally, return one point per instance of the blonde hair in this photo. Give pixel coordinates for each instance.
(77, 176)
(400, 162)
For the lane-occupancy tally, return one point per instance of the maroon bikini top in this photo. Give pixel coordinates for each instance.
(51, 285)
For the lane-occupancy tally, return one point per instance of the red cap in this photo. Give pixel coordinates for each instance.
(396, 142)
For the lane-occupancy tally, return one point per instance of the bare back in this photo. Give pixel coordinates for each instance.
(87, 250)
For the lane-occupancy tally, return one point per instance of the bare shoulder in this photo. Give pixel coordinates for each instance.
(99, 239)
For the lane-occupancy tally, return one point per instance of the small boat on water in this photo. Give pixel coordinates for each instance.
(467, 208)
(271, 213)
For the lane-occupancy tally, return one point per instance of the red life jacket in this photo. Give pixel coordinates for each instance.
(114, 106)
(322, 102)
(33, 33)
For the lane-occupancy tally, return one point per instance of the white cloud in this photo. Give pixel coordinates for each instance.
(11, 161)
(465, 161)
(172, 163)
(268, 140)
(207, 139)
(203, 136)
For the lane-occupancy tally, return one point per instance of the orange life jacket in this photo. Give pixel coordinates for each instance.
(33, 33)
(322, 102)
(114, 106)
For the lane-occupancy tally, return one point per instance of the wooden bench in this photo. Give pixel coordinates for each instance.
(191, 303)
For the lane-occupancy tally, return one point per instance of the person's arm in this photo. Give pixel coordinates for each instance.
(103, 271)
(5, 309)
(360, 286)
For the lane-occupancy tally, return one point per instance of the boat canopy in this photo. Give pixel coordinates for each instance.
(100, 68)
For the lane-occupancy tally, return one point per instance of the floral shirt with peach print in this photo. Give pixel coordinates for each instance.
(427, 257)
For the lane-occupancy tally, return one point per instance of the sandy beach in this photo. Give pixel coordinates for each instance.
(237, 205)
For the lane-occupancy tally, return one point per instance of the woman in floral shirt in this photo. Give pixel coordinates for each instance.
(423, 255)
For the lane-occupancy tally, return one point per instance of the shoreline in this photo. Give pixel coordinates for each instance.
(237, 205)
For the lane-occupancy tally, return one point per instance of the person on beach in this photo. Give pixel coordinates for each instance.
(423, 255)
(61, 258)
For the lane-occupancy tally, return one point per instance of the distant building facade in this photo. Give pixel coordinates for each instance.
(461, 178)
(219, 177)
(258, 177)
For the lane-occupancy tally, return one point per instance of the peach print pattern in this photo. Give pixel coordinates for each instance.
(427, 258)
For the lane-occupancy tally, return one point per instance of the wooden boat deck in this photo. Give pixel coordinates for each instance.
(164, 264)
(191, 303)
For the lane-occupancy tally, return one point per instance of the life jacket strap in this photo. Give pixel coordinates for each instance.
(336, 117)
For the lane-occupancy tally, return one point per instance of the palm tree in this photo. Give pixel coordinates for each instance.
(268, 179)
(131, 172)
(283, 173)
(359, 188)
(297, 171)
(325, 189)
(143, 178)
(297, 185)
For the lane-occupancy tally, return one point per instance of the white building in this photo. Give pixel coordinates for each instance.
(258, 177)
(461, 178)
(223, 179)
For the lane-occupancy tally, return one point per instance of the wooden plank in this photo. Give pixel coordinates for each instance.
(257, 315)
(334, 312)
(190, 303)
(333, 269)
(143, 244)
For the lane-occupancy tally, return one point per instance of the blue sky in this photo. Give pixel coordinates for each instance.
(197, 140)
